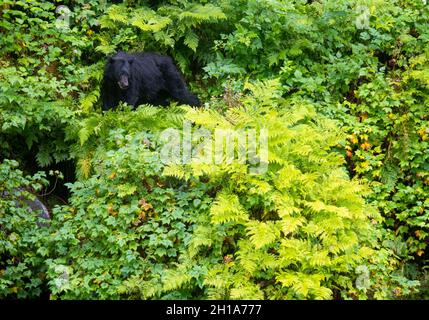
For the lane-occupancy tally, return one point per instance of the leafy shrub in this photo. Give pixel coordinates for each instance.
(185, 26)
(372, 79)
(289, 233)
(42, 79)
(22, 247)
(125, 223)
(139, 228)
(388, 143)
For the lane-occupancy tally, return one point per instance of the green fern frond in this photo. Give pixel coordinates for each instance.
(262, 233)
(175, 279)
(89, 100)
(176, 171)
(84, 167)
(219, 277)
(202, 13)
(148, 20)
(202, 237)
(89, 126)
(303, 285)
(191, 40)
(291, 224)
(118, 13)
(227, 208)
(252, 261)
(246, 291)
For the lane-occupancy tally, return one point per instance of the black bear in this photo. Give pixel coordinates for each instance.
(143, 78)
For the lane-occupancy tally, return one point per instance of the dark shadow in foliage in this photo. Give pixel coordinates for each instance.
(29, 200)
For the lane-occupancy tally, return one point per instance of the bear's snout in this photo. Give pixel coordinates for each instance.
(123, 82)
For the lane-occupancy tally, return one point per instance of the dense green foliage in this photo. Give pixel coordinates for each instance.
(22, 249)
(341, 212)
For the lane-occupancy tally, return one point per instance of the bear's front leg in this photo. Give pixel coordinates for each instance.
(109, 96)
(132, 98)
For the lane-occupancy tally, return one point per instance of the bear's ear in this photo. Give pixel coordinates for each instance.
(110, 60)
(131, 60)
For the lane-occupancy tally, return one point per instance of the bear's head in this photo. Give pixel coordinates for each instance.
(120, 69)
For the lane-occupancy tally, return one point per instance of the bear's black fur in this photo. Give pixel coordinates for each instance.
(143, 78)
